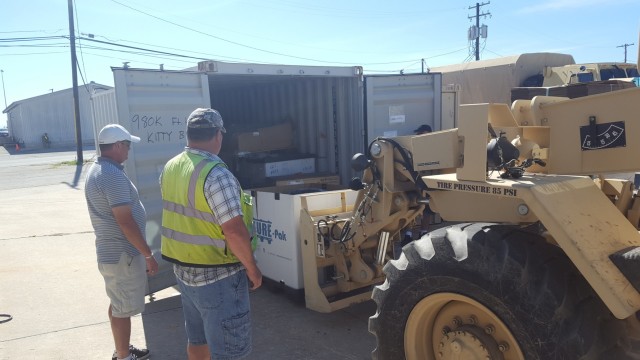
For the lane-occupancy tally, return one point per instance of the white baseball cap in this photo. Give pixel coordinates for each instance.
(113, 133)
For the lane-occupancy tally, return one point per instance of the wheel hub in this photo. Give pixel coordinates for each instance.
(451, 326)
(468, 342)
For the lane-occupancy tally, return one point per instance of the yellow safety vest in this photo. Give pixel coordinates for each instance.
(189, 234)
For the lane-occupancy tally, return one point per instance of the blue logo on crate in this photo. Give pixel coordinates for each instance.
(265, 233)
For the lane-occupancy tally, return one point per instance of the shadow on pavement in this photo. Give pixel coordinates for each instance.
(282, 329)
(76, 177)
(164, 328)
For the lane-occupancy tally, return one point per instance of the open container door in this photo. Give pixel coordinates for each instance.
(155, 105)
(398, 104)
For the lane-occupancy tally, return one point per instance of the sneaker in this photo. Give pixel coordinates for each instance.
(136, 354)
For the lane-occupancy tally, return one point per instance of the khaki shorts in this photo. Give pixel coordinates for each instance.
(126, 284)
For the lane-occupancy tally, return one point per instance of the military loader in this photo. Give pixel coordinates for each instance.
(538, 256)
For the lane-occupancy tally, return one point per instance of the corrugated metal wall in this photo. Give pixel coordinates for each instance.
(326, 113)
(104, 111)
(52, 114)
(399, 104)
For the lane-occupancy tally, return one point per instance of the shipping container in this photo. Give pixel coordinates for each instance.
(397, 105)
(324, 107)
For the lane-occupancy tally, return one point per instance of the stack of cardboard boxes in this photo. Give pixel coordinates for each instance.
(278, 177)
(267, 157)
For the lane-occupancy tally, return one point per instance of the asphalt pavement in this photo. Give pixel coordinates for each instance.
(51, 287)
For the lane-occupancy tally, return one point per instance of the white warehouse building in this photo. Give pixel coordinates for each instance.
(29, 119)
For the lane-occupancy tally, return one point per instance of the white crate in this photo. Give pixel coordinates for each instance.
(276, 217)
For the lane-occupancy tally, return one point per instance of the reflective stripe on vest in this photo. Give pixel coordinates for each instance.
(189, 234)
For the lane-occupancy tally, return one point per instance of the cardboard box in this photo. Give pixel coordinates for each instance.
(308, 179)
(290, 167)
(257, 170)
(266, 139)
(276, 217)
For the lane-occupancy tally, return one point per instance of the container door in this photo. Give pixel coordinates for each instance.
(396, 105)
(154, 105)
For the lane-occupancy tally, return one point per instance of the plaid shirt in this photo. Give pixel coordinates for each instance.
(221, 189)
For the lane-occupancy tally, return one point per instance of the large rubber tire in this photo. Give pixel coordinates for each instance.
(526, 298)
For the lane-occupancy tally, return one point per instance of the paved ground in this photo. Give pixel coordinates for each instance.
(50, 285)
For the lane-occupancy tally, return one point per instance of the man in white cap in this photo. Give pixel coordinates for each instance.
(206, 224)
(118, 218)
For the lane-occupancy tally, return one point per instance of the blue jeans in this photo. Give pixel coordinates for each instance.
(218, 315)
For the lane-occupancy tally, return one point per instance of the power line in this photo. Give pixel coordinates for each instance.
(171, 48)
(75, 8)
(201, 58)
(222, 39)
(148, 52)
(36, 53)
(123, 59)
(248, 46)
(493, 52)
(142, 49)
(30, 31)
(35, 38)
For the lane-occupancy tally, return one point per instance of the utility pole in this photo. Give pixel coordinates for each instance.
(625, 46)
(74, 74)
(477, 30)
(4, 93)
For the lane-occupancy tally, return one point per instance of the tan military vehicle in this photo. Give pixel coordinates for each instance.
(583, 73)
(539, 254)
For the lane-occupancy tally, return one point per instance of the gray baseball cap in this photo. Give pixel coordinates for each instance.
(202, 118)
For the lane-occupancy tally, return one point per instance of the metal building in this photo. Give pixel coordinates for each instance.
(52, 113)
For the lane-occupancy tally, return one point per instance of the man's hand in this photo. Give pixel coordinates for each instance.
(255, 278)
(130, 229)
(152, 265)
(238, 239)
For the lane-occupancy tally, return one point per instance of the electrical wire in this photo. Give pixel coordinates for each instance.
(129, 60)
(36, 45)
(77, 30)
(223, 39)
(311, 8)
(252, 47)
(37, 53)
(143, 49)
(171, 48)
(34, 38)
(112, 43)
(84, 82)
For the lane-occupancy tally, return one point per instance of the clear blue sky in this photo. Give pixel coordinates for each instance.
(382, 36)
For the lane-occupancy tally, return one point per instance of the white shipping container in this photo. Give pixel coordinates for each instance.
(325, 105)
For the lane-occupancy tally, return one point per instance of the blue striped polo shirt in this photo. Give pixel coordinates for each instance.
(107, 186)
